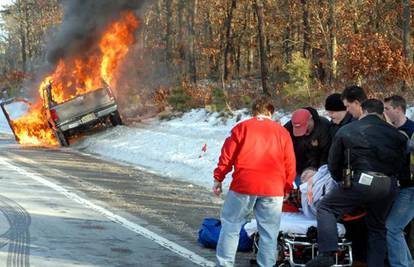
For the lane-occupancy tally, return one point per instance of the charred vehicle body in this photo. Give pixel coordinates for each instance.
(80, 113)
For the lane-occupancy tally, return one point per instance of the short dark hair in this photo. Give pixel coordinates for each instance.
(373, 106)
(397, 101)
(353, 93)
(262, 104)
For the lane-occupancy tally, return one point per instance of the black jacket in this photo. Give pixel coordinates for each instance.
(374, 145)
(335, 127)
(311, 150)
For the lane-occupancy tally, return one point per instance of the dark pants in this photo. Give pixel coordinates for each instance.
(376, 198)
(356, 232)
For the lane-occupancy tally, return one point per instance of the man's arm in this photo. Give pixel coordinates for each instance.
(325, 143)
(226, 160)
(290, 163)
(228, 153)
(336, 158)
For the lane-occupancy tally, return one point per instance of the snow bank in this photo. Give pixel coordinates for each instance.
(169, 148)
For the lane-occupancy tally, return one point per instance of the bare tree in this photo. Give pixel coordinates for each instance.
(229, 38)
(332, 40)
(306, 29)
(258, 7)
(192, 13)
(168, 34)
(287, 47)
(22, 9)
(406, 30)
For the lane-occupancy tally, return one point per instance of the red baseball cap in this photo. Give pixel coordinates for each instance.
(300, 119)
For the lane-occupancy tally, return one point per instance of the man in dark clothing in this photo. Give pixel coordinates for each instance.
(356, 229)
(336, 110)
(311, 139)
(394, 109)
(402, 211)
(352, 97)
(376, 154)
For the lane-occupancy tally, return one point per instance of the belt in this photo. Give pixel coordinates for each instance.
(357, 174)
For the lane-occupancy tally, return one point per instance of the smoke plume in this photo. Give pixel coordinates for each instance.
(82, 24)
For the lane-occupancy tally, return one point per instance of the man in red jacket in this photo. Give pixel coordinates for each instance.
(261, 152)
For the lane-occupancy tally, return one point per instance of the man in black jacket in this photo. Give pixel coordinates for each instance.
(311, 139)
(374, 151)
(356, 229)
(336, 110)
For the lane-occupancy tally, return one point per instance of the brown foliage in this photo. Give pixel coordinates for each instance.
(374, 60)
(368, 35)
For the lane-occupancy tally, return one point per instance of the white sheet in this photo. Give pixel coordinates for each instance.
(292, 222)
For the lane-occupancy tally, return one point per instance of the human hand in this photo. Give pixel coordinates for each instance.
(217, 188)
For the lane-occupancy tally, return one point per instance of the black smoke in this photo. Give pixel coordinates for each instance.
(82, 25)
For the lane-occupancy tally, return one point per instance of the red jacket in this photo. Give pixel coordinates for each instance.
(262, 154)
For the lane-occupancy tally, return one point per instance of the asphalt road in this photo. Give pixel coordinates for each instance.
(59, 207)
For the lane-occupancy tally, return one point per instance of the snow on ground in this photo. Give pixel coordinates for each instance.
(170, 148)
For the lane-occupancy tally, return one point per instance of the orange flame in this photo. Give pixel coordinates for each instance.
(79, 75)
(32, 129)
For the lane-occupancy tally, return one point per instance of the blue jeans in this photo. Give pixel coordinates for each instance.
(401, 214)
(236, 208)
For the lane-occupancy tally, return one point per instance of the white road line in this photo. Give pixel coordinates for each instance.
(188, 254)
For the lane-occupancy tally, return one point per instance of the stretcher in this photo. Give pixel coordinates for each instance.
(297, 241)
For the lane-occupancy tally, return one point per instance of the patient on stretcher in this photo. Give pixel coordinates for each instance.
(315, 184)
(314, 188)
(297, 239)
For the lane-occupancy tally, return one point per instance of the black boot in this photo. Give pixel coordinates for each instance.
(324, 259)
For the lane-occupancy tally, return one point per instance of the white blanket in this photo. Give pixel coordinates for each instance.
(292, 222)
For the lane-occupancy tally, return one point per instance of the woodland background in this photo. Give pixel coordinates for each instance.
(221, 53)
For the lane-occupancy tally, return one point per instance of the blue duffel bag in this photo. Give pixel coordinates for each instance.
(209, 233)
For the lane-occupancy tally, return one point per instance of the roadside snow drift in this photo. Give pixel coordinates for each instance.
(185, 148)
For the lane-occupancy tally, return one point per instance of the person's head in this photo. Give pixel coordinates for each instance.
(302, 122)
(372, 106)
(352, 97)
(307, 174)
(394, 108)
(335, 108)
(263, 106)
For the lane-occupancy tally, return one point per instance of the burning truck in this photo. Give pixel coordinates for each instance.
(79, 113)
(78, 93)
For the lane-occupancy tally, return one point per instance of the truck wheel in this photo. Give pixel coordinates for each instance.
(62, 139)
(115, 118)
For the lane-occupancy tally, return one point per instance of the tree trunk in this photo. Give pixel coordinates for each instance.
(250, 51)
(168, 33)
(238, 50)
(20, 7)
(229, 39)
(406, 30)
(181, 31)
(258, 7)
(332, 41)
(192, 13)
(208, 33)
(306, 29)
(287, 47)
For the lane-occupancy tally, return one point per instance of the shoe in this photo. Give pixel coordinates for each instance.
(322, 260)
